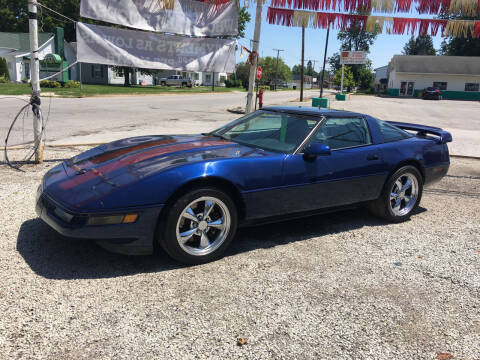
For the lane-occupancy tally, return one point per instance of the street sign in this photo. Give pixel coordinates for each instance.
(353, 57)
(259, 73)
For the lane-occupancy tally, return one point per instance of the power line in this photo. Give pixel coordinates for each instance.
(276, 70)
(56, 12)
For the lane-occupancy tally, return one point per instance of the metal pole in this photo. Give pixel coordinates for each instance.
(324, 61)
(341, 86)
(35, 78)
(81, 83)
(255, 47)
(213, 81)
(302, 75)
(256, 96)
(276, 70)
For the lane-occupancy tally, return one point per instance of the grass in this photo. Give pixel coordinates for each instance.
(104, 90)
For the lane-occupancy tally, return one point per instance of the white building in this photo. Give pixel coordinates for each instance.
(199, 78)
(15, 48)
(457, 77)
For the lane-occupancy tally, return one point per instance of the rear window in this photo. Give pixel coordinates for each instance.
(391, 133)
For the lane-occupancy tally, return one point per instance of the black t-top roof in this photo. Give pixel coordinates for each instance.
(313, 111)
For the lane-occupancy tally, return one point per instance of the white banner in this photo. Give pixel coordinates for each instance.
(130, 48)
(353, 57)
(188, 17)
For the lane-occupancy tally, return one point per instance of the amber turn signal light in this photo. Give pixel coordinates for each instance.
(130, 218)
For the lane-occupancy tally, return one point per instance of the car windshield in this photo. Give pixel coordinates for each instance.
(268, 130)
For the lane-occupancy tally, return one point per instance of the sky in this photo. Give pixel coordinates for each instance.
(290, 40)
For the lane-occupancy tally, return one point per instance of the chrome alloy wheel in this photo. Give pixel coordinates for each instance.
(404, 194)
(203, 226)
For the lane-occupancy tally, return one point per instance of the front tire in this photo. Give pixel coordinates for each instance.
(199, 226)
(401, 195)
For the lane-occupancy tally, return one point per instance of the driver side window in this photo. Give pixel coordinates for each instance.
(341, 133)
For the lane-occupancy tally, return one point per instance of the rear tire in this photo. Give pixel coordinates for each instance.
(400, 196)
(163, 83)
(198, 227)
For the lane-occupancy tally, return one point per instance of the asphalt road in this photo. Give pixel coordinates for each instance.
(461, 118)
(101, 119)
(338, 286)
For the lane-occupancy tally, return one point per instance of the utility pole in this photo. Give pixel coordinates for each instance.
(255, 47)
(35, 78)
(302, 75)
(341, 85)
(324, 60)
(81, 83)
(276, 70)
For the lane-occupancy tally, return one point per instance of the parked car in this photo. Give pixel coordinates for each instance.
(432, 93)
(176, 80)
(188, 194)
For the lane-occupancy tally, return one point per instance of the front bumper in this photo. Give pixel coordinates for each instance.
(131, 239)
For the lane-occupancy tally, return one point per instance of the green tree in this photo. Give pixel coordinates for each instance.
(422, 45)
(297, 69)
(269, 66)
(4, 69)
(334, 62)
(14, 16)
(355, 39)
(242, 71)
(347, 78)
(364, 78)
(309, 70)
(468, 46)
(243, 19)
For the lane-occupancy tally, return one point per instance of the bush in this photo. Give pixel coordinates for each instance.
(4, 69)
(50, 84)
(72, 84)
(231, 83)
(3, 80)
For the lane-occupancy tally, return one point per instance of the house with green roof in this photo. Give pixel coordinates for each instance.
(15, 48)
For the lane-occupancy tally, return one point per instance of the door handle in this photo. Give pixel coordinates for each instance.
(372, 157)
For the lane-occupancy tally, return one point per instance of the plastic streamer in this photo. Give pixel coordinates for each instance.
(476, 29)
(390, 25)
(460, 28)
(464, 7)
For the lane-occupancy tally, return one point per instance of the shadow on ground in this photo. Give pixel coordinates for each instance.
(53, 256)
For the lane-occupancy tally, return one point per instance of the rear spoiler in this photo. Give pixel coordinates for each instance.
(422, 130)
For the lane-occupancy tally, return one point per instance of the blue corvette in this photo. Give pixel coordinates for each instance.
(188, 194)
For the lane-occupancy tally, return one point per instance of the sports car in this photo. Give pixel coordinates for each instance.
(188, 194)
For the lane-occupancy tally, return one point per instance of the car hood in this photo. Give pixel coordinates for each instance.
(83, 180)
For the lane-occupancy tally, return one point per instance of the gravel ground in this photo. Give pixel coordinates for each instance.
(339, 286)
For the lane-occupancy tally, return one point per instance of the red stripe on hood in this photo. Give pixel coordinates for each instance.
(105, 169)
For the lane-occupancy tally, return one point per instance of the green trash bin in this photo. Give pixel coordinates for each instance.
(320, 102)
(341, 97)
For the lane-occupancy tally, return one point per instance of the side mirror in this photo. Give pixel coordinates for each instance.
(314, 150)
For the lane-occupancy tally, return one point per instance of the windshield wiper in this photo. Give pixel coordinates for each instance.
(216, 135)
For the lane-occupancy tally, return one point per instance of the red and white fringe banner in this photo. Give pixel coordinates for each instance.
(392, 25)
(476, 29)
(464, 7)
